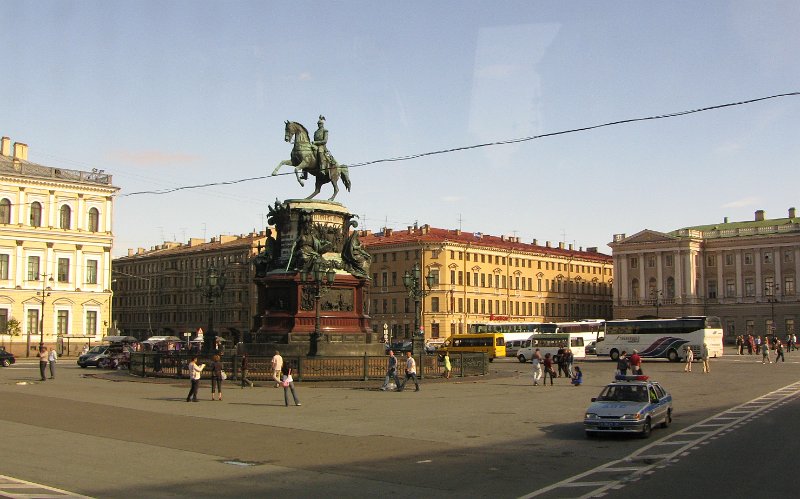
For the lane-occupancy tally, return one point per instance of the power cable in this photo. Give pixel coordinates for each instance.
(486, 144)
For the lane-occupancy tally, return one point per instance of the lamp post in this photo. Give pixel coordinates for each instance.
(44, 293)
(316, 282)
(770, 290)
(211, 285)
(655, 295)
(413, 283)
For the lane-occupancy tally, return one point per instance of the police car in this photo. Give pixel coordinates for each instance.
(630, 404)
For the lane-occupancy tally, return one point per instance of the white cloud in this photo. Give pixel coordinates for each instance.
(304, 76)
(740, 203)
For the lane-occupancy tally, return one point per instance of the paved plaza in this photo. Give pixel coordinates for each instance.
(107, 434)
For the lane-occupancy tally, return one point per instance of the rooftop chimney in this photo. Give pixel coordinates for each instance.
(410, 229)
(387, 232)
(792, 213)
(535, 242)
(561, 245)
(20, 151)
(725, 220)
(5, 146)
(759, 215)
(547, 244)
(130, 251)
(570, 247)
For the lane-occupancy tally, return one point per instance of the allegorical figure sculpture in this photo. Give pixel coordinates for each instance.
(355, 256)
(313, 158)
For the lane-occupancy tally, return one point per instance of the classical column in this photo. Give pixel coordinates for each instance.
(739, 276)
(642, 284)
(796, 269)
(622, 278)
(759, 282)
(659, 274)
(720, 275)
(676, 257)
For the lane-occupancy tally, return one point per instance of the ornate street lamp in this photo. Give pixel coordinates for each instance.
(44, 293)
(771, 291)
(212, 287)
(413, 283)
(316, 282)
(655, 295)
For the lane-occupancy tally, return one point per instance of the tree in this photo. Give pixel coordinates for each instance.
(13, 327)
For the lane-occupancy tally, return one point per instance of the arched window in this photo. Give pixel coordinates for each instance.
(94, 220)
(66, 216)
(36, 214)
(670, 287)
(5, 211)
(635, 289)
(651, 288)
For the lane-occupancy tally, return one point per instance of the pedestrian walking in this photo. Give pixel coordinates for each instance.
(288, 384)
(216, 376)
(52, 356)
(704, 358)
(447, 366)
(411, 373)
(194, 376)
(567, 360)
(548, 369)
(758, 344)
(689, 356)
(537, 366)
(577, 376)
(391, 373)
(85, 350)
(244, 367)
(779, 352)
(765, 356)
(277, 368)
(636, 363)
(740, 345)
(623, 364)
(43, 356)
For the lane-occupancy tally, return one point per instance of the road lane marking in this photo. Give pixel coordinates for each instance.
(14, 488)
(704, 430)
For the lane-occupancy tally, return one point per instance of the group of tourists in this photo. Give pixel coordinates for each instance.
(281, 373)
(756, 345)
(545, 367)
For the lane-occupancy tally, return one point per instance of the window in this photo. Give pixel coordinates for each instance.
(789, 326)
(91, 271)
(635, 289)
(769, 286)
(711, 260)
(33, 268)
(5, 211)
(668, 260)
(36, 214)
(749, 287)
(787, 256)
(62, 322)
(65, 217)
(94, 220)
(729, 259)
(435, 274)
(768, 257)
(749, 326)
(91, 323)
(33, 321)
(651, 261)
(712, 288)
(748, 259)
(434, 304)
(63, 270)
(730, 288)
(4, 266)
(788, 285)
(634, 262)
(3, 320)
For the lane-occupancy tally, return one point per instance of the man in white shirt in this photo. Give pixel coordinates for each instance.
(277, 366)
(411, 372)
(51, 360)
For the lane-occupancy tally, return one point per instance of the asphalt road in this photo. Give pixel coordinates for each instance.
(107, 434)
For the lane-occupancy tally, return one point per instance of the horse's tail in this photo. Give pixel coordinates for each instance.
(344, 173)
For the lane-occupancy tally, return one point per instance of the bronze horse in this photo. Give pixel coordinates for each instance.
(304, 158)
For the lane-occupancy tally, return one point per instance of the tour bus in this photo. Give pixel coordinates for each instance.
(550, 343)
(504, 327)
(492, 344)
(666, 338)
(589, 330)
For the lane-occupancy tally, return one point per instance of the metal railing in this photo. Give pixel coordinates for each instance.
(259, 368)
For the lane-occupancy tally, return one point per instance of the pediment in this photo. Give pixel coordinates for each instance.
(646, 236)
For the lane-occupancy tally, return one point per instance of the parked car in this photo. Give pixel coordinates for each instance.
(401, 346)
(591, 348)
(6, 358)
(631, 404)
(94, 356)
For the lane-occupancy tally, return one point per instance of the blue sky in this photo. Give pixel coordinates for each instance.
(165, 94)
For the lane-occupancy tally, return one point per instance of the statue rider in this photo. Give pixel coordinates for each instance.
(321, 144)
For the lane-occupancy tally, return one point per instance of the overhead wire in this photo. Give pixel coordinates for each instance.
(477, 146)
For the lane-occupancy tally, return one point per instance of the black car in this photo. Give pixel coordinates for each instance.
(6, 358)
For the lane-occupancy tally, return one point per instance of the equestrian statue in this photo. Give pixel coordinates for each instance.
(314, 158)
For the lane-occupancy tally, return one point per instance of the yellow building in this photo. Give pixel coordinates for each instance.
(55, 253)
(479, 278)
(156, 291)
